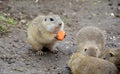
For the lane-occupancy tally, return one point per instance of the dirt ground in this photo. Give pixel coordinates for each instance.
(15, 54)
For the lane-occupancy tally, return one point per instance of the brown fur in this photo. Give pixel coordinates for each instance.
(42, 32)
(80, 64)
(112, 55)
(91, 41)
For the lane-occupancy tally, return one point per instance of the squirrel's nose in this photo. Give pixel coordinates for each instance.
(60, 24)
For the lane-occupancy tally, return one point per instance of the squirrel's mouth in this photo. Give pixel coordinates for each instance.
(56, 29)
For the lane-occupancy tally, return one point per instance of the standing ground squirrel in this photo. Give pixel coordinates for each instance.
(91, 41)
(42, 32)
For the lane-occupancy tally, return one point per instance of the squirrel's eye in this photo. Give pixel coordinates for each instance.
(51, 19)
(111, 54)
(85, 49)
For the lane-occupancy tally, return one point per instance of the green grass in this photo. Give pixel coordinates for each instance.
(11, 21)
(8, 21)
(3, 29)
(2, 17)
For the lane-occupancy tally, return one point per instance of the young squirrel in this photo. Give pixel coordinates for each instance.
(112, 55)
(80, 64)
(91, 41)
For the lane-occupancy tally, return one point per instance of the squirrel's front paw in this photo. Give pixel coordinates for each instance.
(40, 53)
(54, 51)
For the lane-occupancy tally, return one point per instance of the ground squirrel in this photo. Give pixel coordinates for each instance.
(112, 55)
(91, 41)
(80, 64)
(42, 32)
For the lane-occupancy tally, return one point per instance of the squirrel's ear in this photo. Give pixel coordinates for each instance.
(45, 19)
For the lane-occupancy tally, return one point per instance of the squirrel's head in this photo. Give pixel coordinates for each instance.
(89, 50)
(53, 23)
(112, 55)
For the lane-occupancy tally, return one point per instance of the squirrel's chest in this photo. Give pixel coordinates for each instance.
(47, 38)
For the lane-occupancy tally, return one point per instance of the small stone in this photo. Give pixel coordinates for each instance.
(54, 67)
(36, 1)
(23, 21)
(112, 14)
(114, 38)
